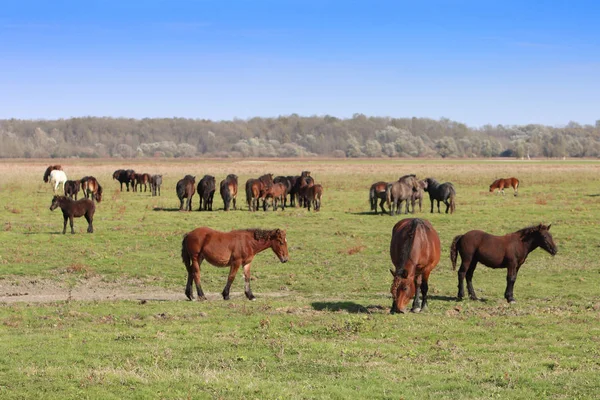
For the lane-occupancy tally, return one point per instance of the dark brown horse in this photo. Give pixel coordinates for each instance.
(277, 194)
(256, 190)
(234, 249)
(50, 169)
(312, 197)
(124, 176)
(186, 188)
(228, 189)
(502, 183)
(74, 209)
(155, 183)
(72, 188)
(91, 188)
(415, 252)
(206, 192)
(378, 191)
(399, 191)
(508, 251)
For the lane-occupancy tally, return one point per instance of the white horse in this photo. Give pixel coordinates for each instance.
(57, 177)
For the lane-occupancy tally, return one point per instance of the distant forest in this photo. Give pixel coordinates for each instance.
(291, 136)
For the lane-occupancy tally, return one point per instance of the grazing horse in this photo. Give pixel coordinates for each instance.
(186, 188)
(277, 193)
(378, 191)
(508, 251)
(229, 189)
(399, 191)
(312, 196)
(124, 176)
(441, 192)
(72, 188)
(415, 252)
(206, 192)
(74, 208)
(155, 182)
(57, 177)
(234, 249)
(502, 183)
(418, 195)
(50, 169)
(91, 188)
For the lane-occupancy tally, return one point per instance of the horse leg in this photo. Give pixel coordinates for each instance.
(65, 218)
(430, 199)
(462, 271)
(438, 204)
(381, 206)
(232, 272)
(247, 289)
(469, 277)
(195, 271)
(89, 220)
(71, 223)
(511, 277)
(447, 203)
(416, 306)
(425, 290)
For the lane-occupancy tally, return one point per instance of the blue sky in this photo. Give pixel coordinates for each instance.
(477, 62)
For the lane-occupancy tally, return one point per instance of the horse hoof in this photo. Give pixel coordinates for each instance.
(415, 310)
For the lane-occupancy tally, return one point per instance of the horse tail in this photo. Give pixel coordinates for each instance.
(407, 245)
(453, 251)
(249, 195)
(452, 196)
(372, 199)
(185, 256)
(225, 194)
(388, 196)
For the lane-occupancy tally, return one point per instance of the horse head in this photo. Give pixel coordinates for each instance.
(55, 203)
(545, 239)
(279, 244)
(402, 290)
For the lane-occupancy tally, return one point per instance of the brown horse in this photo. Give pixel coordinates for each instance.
(508, 251)
(415, 252)
(256, 190)
(312, 196)
(399, 191)
(228, 189)
(502, 183)
(277, 194)
(72, 188)
(418, 195)
(234, 249)
(141, 180)
(74, 208)
(378, 191)
(186, 188)
(91, 188)
(50, 169)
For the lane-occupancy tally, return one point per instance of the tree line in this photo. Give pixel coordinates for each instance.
(291, 136)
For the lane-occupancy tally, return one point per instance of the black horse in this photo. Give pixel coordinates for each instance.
(124, 176)
(441, 192)
(186, 188)
(74, 209)
(206, 192)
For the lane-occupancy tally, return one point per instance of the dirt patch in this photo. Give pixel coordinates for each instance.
(94, 289)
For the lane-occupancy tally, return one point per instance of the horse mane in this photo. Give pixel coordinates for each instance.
(529, 230)
(407, 246)
(407, 176)
(262, 234)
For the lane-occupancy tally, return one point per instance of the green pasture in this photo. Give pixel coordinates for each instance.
(320, 327)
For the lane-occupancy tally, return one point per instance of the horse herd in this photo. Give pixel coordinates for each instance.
(414, 249)
(273, 192)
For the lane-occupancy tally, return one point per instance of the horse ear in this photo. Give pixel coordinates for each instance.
(549, 226)
(392, 272)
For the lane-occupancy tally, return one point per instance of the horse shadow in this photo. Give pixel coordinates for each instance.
(348, 306)
(367, 213)
(166, 209)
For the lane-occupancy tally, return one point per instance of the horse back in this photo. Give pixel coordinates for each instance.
(415, 245)
(490, 250)
(218, 248)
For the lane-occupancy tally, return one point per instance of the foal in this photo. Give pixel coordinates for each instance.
(74, 208)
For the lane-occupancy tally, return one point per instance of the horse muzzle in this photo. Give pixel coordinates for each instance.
(283, 259)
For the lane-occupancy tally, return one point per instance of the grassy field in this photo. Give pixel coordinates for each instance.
(104, 315)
